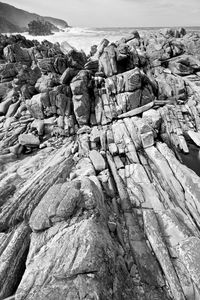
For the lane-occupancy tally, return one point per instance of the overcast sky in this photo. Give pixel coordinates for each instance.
(118, 13)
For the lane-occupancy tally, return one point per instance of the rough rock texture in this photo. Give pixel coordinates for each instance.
(94, 197)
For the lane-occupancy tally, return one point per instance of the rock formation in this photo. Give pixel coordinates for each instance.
(95, 201)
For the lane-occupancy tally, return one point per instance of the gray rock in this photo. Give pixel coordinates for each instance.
(13, 248)
(153, 118)
(147, 139)
(67, 75)
(34, 105)
(4, 106)
(29, 140)
(97, 160)
(188, 251)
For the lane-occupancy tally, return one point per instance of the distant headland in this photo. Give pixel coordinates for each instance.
(14, 20)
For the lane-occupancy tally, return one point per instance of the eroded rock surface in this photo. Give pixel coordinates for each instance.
(95, 201)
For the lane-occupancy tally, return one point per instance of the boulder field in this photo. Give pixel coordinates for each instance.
(95, 202)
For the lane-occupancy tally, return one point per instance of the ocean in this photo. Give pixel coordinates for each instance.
(84, 38)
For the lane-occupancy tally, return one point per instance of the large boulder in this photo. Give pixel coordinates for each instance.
(171, 86)
(34, 105)
(184, 65)
(46, 82)
(97, 160)
(8, 71)
(107, 61)
(14, 53)
(63, 201)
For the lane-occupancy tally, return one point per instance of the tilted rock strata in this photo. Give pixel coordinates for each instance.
(90, 174)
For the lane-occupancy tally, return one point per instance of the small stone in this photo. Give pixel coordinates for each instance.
(97, 160)
(152, 117)
(113, 149)
(38, 125)
(29, 140)
(95, 135)
(112, 226)
(147, 139)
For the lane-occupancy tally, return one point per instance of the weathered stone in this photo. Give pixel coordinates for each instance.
(172, 185)
(104, 43)
(81, 98)
(45, 100)
(147, 139)
(61, 103)
(132, 80)
(147, 95)
(95, 135)
(69, 273)
(4, 106)
(107, 183)
(136, 111)
(45, 82)
(29, 140)
(84, 168)
(4, 87)
(8, 72)
(153, 118)
(184, 65)
(12, 109)
(67, 75)
(34, 105)
(38, 125)
(171, 86)
(14, 53)
(111, 49)
(188, 251)
(82, 108)
(13, 251)
(195, 137)
(189, 180)
(112, 226)
(174, 231)
(46, 64)
(97, 160)
(105, 64)
(58, 204)
(160, 249)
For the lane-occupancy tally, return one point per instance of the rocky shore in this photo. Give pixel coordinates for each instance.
(95, 202)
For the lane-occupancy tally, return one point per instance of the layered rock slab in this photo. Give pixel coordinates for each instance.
(79, 258)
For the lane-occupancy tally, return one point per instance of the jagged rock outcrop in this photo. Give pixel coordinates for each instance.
(94, 197)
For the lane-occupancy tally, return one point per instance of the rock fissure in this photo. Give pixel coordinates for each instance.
(91, 184)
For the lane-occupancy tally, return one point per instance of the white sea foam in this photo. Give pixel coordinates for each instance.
(84, 38)
(81, 38)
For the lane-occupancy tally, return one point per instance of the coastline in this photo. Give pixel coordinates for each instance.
(84, 37)
(94, 200)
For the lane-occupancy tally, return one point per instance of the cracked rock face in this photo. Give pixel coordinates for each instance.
(79, 259)
(95, 202)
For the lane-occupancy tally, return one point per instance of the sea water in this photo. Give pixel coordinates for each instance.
(84, 38)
